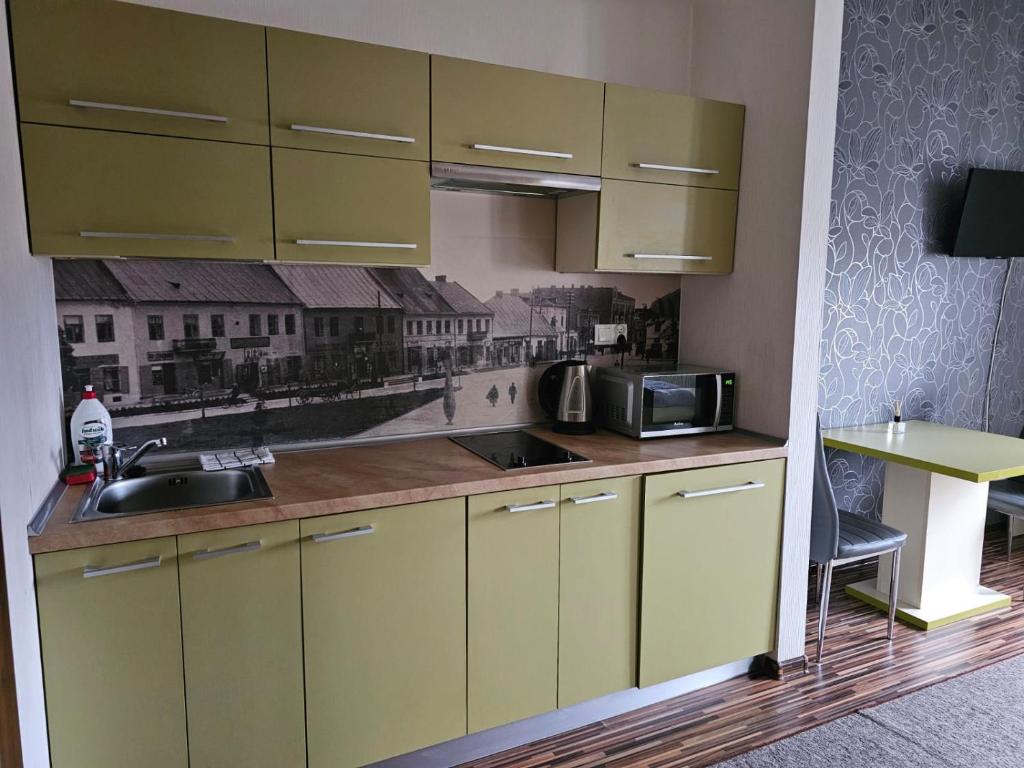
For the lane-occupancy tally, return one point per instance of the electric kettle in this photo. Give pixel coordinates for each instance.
(564, 394)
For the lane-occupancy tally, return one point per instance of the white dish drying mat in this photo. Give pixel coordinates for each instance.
(234, 459)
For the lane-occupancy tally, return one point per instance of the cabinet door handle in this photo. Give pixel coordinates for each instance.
(749, 486)
(604, 496)
(352, 134)
(669, 256)
(362, 530)
(150, 562)
(157, 236)
(147, 111)
(676, 168)
(528, 507)
(521, 151)
(356, 244)
(209, 554)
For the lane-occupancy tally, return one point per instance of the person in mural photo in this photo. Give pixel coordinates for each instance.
(492, 395)
(512, 392)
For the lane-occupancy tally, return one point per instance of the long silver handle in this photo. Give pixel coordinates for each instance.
(753, 484)
(362, 530)
(356, 244)
(150, 562)
(157, 236)
(528, 507)
(209, 554)
(352, 134)
(669, 256)
(677, 168)
(605, 496)
(521, 151)
(147, 111)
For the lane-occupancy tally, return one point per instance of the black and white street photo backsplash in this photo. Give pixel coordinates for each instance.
(216, 355)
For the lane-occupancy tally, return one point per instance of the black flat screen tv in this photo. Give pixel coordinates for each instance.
(992, 224)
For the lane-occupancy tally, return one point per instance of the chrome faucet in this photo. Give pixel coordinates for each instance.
(115, 465)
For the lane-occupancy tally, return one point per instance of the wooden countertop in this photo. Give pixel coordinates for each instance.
(348, 479)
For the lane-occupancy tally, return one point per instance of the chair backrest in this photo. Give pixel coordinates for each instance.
(824, 512)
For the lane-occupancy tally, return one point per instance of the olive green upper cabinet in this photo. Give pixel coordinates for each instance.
(111, 642)
(671, 138)
(344, 96)
(484, 114)
(99, 193)
(242, 639)
(126, 67)
(711, 548)
(351, 209)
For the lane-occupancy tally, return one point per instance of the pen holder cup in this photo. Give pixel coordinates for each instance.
(897, 427)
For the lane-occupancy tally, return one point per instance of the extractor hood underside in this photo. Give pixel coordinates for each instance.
(456, 177)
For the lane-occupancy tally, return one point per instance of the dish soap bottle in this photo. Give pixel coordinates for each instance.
(90, 428)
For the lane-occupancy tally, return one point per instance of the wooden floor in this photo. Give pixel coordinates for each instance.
(860, 670)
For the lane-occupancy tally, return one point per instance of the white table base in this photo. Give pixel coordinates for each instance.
(940, 569)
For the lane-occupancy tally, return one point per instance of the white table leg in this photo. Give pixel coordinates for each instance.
(944, 519)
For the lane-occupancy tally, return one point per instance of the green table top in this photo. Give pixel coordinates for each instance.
(964, 453)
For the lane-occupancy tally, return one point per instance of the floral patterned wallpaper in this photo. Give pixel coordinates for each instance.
(928, 89)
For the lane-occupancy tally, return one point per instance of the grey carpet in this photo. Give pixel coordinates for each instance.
(975, 721)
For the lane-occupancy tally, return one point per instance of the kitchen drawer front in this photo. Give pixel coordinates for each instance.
(98, 193)
(242, 638)
(710, 567)
(597, 595)
(111, 645)
(384, 607)
(322, 89)
(210, 72)
(517, 109)
(351, 209)
(699, 139)
(665, 228)
(513, 605)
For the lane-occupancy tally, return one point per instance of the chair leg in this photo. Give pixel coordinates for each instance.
(826, 586)
(817, 586)
(894, 591)
(1009, 536)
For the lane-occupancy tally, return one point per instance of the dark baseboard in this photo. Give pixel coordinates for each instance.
(768, 666)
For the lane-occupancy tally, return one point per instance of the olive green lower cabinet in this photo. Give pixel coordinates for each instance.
(597, 595)
(711, 544)
(241, 616)
(111, 643)
(513, 605)
(384, 611)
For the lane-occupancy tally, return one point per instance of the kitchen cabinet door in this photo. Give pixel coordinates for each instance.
(631, 226)
(111, 644)
(384, 611)
(513, 605)
(485, 114)
(671, 138)
(126, 67)
(350, 209)
(99, 193)
(599, 542)
(242, 638)
(344, 96)
(711, 541)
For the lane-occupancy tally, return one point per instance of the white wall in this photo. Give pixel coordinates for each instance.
(782, 61)
(30, 414)
(635, 42)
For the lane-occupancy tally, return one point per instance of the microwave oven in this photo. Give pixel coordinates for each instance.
(685, 400)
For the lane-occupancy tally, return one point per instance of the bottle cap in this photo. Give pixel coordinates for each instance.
(88, 394)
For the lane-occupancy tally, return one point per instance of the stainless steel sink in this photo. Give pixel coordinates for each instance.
(167, 488)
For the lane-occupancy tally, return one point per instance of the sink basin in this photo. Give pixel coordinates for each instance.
(161, 490)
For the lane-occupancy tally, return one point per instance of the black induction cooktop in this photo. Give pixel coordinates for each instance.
(517, 450)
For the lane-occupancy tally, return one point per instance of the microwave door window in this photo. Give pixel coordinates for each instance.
(669, 403)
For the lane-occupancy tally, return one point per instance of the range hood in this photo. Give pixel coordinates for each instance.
(457, 177)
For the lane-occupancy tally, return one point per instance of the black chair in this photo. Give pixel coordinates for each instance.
(838, 537)
(1007, 498)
